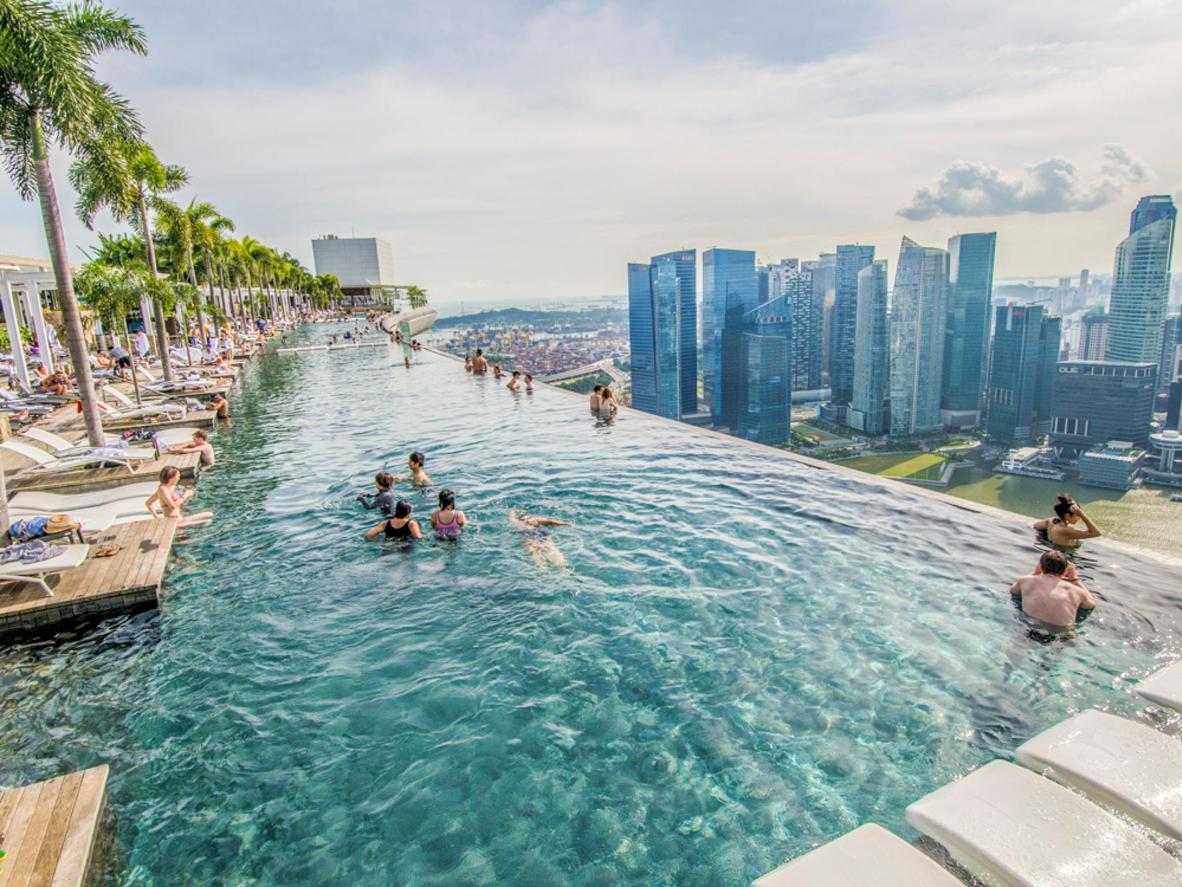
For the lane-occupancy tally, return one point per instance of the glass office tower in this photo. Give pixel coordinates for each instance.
(918, 317)
(869, 411)
(1022, 372)
(664, 364)
(1141, 283)
(729, 289)
(966, 335)
(851, 259)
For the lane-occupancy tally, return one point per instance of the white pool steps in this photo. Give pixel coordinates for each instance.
(1007, 825)
(1119, 763)
(1164, 688)
(867, 855)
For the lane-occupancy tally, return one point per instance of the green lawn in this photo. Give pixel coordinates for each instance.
(814, 433)
(922, 466)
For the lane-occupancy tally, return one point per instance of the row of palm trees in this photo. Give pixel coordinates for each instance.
(51, 97)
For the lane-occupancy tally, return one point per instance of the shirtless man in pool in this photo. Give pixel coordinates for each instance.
(1053, 593)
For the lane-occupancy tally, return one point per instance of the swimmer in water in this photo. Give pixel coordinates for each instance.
(536, 540)
(401, 527)
(467, 363)
(514, 381)
(447, 521)
(383, 500)
(1060, 529)
(415, 461)
(1053, 592)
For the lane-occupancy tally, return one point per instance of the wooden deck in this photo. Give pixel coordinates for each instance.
(103, 586)
(48, 830)
(196, 418)
(80, 480)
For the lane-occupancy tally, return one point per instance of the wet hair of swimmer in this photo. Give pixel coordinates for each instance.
(1053, 562)
(403, 508)
(1063, 506)
(479, 352)
(598, 388)
(384, 479)
(418, 458)
(447, 499)
(516, 373)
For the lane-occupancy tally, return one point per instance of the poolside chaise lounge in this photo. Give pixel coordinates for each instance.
(43, 461)
(35, 573)
(61, 446)
(1007, 825)
(146, 411)
(90, 520)
(1119, 763)
(66, 503)
(1164, 688)
(867, 855)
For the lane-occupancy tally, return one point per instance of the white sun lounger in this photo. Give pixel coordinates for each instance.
(1164, 688)
(1006, 825)
(867, 855)
(156, 403)
(72, 557)
(90, 520)
(65, 503)
(61, 446)
(43, 461)
(1122, 764)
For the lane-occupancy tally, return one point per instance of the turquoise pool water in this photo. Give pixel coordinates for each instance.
(745, 657)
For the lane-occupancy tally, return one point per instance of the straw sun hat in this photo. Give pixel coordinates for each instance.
(60, 523)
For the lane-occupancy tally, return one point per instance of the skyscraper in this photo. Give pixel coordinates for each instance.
(759, 370)
(1093, 335)
(966, 335)
(1141, 283)
(729, 289)
(918, 317)
(794, 283)
(1170, 341)
(824, 271)
(851, 259)
(869, 411)
(1096, 401)
(1021, 374)
(664, 364)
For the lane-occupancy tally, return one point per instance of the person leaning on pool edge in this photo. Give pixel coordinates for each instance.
(1059, 528)
(1053, 592)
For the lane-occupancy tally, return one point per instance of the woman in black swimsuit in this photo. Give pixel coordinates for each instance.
(399, 527)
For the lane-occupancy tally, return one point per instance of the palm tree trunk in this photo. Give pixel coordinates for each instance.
(75, 337)
(161, 330)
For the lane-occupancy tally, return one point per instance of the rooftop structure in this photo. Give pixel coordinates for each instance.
(364, 266)
(1113, 466)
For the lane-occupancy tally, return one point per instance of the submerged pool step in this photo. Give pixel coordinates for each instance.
(1164, 688)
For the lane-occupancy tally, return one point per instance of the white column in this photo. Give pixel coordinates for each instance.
(12, 319)
(149, 327)
(33, 307)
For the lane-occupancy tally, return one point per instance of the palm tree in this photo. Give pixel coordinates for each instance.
(417, 296)
(49, 94)
(112, 291)
(128, 179)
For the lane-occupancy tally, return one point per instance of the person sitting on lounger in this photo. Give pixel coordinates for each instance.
(383, 500)
(56, 383)
(536, 540)
(401, 527)
(220, 406)
(199, 444)
(1060, 529)
(1053, 593)
(171, 502)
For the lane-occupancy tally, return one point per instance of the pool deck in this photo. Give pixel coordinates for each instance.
(49, 830)
(196, 419)
(125, 582)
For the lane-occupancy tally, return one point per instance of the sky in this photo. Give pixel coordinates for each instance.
(525, 150)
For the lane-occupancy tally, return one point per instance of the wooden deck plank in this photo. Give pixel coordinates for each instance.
(100, 586)
(25, 856)
(82, 832)
(54, 837)
(17, 826)
(81, 480)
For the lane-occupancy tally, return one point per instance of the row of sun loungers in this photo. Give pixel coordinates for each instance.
(1047, 822)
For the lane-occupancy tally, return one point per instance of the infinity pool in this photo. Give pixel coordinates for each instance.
(746, 656)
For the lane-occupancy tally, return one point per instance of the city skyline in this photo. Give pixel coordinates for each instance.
(458, 137)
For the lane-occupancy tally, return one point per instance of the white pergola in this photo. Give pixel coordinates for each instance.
(29, 285)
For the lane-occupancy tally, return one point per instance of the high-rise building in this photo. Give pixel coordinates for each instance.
(664, 358)
(1021, 373)
(918, 316)
(1096, 401)
(795, 283)
(869, 408)
(851, 258)
(824, 271)
(729, 290)
(966, 334)
(1093, 335)
(1141, 283)
(1171, 340)
(758, 370)
(1083, 284)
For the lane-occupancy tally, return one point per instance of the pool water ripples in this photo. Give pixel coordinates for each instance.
(745, 655)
